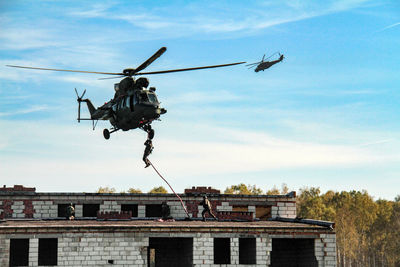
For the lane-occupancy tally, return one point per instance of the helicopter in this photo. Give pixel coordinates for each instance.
(263, 65)
(134, 105)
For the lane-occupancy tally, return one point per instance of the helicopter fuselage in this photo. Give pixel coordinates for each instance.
(134, 110)
(131, 110)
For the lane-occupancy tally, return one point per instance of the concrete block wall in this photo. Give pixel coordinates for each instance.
(284, 209)
(88, 249)
(34, 252)
(4, 251)
(44, 209)
(224, 207)
(203, 252)
(141, 211)
(252, 209)
(18, 209)
(130, 249)
(78, 210)
(110, 205)
(329, 241)
(42, 205)
(176, 209)
(96, 249)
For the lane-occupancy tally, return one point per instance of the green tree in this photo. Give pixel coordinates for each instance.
(134, 191)
(275, 191)
(311, 205)
(106, 189)
(158, 190)
(242, 189)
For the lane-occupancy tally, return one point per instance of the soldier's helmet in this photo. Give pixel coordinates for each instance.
(142, 82)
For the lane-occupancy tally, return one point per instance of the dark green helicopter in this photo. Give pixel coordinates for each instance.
(133, 106)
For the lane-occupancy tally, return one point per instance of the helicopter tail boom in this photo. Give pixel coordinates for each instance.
(89, 104)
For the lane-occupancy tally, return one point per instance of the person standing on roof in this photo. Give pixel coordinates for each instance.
(70, 212)
(206, 208)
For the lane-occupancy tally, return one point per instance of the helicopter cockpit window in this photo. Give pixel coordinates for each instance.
(152, 98)
(143, 97)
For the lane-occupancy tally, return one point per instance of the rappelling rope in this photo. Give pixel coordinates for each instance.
(187, 213)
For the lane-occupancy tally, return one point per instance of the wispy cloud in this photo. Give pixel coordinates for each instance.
(205, 21)
(24, 111)
(388, 27)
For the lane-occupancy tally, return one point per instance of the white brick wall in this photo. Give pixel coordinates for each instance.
(18, 208)
(78, 210)
(224, 207)
(95, 249)
(284, 209)
(4, 251)
(130, 249)
(44, 209)
(108, 206)
(329, 249)
(176, 209)
(203, 252)
(33, 252)
(141, 211)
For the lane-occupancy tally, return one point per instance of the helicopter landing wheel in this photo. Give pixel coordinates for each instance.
(106, 134)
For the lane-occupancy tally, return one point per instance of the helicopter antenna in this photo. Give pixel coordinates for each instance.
(79, 99)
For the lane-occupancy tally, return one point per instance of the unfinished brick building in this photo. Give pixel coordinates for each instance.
(123, 230)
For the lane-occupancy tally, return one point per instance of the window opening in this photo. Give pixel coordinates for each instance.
(293, 252)
(48, 251)
(90, 210)
(130, 207)
(247, 251)
(154, 210)
(222, 251)
(177, 252)
(62, 210)
(19, 252)
(263, 212)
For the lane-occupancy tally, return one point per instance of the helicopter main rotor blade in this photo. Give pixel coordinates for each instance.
(187, 69)
(151, 59)
(251, 64)
(82, 71)
(114, 77)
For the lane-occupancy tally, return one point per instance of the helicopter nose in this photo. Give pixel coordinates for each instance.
(161, 111)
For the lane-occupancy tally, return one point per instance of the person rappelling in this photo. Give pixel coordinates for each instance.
(147, 151)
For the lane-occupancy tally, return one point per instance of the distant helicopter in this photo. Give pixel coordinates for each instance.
(133, 105)
(263, 65)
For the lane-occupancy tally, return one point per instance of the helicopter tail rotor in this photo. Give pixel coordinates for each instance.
(79, 99)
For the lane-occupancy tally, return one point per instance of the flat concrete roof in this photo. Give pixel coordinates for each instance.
(44, 226)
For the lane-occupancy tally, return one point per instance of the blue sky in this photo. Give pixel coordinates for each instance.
(328, 116)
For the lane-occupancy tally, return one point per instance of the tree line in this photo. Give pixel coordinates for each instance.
(367, 230)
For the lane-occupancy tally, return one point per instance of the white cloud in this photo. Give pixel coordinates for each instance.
(35, 149)
(389, 27)
(243, 19)
(31, 109)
